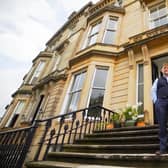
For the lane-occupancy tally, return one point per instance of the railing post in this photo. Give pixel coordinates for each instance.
(70, 131)
(27, 144)
(65, 131)
(59, 130)
(52, 132)
(47, 126)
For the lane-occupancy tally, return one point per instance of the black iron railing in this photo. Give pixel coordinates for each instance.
(14, 146)
(65, 129)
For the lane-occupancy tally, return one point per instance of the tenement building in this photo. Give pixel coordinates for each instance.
(106, 54)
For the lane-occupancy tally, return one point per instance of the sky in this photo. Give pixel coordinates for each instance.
(25, 27)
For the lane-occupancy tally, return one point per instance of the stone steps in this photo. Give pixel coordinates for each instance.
(117, 147)
(119, 140)
(126, 148)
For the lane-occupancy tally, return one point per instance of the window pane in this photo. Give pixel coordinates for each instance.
(19, 107)
(75, 92)
(112, 24)
(109, 37)
(140, 93)
(75, 84)
(100, 78)
(96, 97)
(81, 81)
(140, 75)
(92, 40)
(158, 15)
(78, 82)
(163, 20)
(140, 85)
(39, 68)
(74, 102)
(162, 11)
(95, 29)
(154, 14)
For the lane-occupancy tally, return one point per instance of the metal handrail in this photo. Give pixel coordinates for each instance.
(71, 126)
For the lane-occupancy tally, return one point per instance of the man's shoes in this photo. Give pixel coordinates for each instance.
(158, 153)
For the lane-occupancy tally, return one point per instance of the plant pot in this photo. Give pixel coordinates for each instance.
(129, 123)
(110, 126)
(140, 124)
(117, 124)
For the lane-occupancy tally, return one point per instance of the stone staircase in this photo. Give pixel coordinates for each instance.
(127, 147)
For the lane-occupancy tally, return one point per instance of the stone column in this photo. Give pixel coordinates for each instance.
(132, 78)
(148, 106)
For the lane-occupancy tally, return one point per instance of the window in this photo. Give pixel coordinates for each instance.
(93, 33)
(37, 72)
(110, 32)
(140, 84)
(75, 91)
(98, 89)
(17, 110)
(158, 15)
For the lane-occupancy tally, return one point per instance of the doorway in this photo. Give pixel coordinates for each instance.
(156, 73)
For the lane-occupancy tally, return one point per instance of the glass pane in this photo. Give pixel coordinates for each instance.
(92, 40)
(140, 93)
(96, 97)
(109, 37)
(156, 23)
(76, 82)
(112, 24)
(39, 69)
(162, 11)
(74, 102)
(95, 29)
(100, 78)
(19, 107)
(154, 14)
(81, 81)
(140, 75)
(164, 20)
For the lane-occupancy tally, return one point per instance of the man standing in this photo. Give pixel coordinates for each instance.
(160, 99)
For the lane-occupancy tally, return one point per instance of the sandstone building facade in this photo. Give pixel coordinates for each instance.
(107, 53)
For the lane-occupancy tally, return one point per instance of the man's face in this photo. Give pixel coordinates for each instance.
(165, 70)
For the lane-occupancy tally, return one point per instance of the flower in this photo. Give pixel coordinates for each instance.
(131, 112)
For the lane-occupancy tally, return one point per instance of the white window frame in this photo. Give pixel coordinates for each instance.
(67, 99)
(16, 111)
(92, 83)
(111, 30)
(89, 36)
(137, 82)
(152, 20)
(37, 71)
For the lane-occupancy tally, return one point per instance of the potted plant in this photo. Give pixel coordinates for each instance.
(140, 121)
(130, 114)
(116, 119)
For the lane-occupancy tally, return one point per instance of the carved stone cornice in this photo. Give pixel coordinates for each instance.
(44, 54)
(54, 76)
(22, 92)
(100, 11)
(89, 52)
(146, 1)
(73, 18)
(149, 35)
(101, 4)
